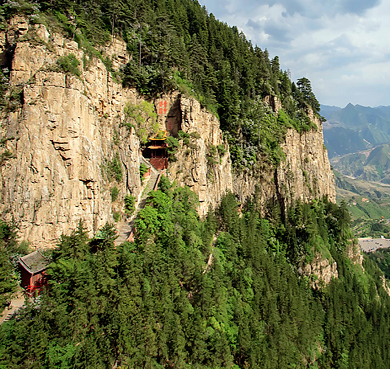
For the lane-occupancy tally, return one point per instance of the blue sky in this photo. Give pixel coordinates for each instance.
(342, 46)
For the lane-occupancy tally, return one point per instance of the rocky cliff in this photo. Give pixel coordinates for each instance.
(61, 137)
(203, 162)
(304, 174)
(66, 149)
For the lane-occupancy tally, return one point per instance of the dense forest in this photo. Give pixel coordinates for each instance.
(212, 293)
(227, 291)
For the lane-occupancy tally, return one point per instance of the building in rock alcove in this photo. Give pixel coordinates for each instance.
(158, 150)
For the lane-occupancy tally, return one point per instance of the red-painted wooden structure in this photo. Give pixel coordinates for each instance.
(147, 173)
(32, 269)
(158, 148)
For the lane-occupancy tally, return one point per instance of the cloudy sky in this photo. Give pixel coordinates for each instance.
(342, 46)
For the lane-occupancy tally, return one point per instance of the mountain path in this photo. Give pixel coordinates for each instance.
(16, 303)
(128, 226)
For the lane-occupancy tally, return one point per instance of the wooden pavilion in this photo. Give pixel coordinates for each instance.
(158, 150)
(32, 269)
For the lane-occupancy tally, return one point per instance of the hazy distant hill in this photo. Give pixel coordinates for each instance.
(370, 200)
(369, 165)
(355, 128)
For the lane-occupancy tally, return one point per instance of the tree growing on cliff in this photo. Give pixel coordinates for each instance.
(143, 118)
(9, 252)
(306, 95)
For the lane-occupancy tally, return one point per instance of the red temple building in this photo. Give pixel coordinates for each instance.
(158, 150)
(32, 269)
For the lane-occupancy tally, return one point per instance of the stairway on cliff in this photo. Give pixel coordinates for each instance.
(15, 305)
(128, 226)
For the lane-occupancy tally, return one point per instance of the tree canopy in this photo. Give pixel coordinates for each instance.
(220, 292)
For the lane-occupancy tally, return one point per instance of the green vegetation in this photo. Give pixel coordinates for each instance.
(221, 292)
(69, 64)
(173, 147)
(114, 193)
(129, 204)
(117, 216)
(375, 228)
(142, 118)
(114, 169)
(382, 258)
(142, 170)
(221, 150)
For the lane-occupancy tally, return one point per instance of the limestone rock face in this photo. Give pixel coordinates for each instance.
(61, 137)
(321, 271)
(203, 163)
(355, 254)
(305, 174)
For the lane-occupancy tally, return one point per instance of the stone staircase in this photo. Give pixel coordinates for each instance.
(128, 226)
(8, 316)
(16, 304)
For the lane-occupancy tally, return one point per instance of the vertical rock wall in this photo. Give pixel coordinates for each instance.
(61, 137)
(305, 173)
(204, 163)
(66, 130)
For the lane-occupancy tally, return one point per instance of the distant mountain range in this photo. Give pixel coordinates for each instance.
(369, 165)
(355, 128)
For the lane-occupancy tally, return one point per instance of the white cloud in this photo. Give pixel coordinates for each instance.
(342, 46)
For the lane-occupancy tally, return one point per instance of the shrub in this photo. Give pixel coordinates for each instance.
(129, 204)
(221, 150)
(212, 150)
(142, 118)
(173, 146)
(183, 134)
(114, 193)
(69, 64)
(142, 170)
(164, 185)
(117, 216)
(114, 169)
(195, 135)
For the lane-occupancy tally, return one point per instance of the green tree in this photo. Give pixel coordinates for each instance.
(304, 87)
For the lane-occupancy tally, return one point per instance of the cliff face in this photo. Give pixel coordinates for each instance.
(203, 163)
(61, 137)
(65, 148)
(66, 138)
(320, 271)
(305, 173)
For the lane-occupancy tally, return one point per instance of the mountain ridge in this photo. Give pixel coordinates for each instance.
(94, 128)
(240, 258)
(355, 128)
